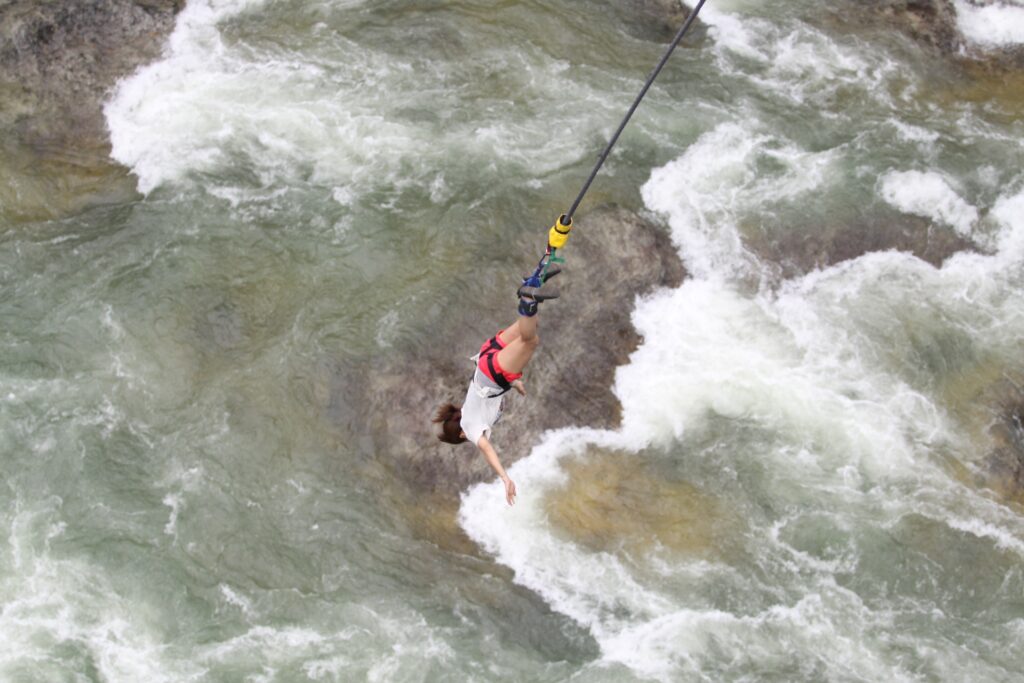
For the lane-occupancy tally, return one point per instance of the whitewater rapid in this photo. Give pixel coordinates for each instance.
(792, 491)
(817, 365)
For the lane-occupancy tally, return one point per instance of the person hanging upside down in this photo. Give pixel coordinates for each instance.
(499, 368)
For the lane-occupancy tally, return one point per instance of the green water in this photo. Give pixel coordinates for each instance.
(189, 491)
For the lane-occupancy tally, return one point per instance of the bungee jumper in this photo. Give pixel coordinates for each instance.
(500, 365)
(503, 358)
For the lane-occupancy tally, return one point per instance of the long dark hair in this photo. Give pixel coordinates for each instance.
(449, 416)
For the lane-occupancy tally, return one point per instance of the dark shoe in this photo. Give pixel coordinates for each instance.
(542, 293)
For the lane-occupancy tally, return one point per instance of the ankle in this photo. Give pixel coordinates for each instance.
(527, 307)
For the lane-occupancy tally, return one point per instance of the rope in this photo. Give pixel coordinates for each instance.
(567, 218)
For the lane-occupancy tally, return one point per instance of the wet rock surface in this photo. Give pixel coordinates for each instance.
(1003, 469)
(934, 23)
(798, 252)
(613, 257)
(660, 20)
(58, 60)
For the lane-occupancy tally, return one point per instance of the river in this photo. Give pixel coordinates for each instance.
(791, 493)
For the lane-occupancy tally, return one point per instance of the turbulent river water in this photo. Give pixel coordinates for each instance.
(789, 495)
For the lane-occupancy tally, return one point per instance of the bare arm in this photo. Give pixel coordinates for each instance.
(492, 459)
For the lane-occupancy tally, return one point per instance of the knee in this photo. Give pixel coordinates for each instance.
(533, 342)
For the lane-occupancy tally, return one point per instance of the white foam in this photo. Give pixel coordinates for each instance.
(819, 362)
(274, 644)
(595, 589)
(136, 111)
(792, 60)
(256, 118)
(929, 194)
(387, 329)
(800, 561)
(677, 643)
(913, 133)
(328, 668)
(183, 481)
(174, 502)
(50, 604)
(805, 62)
(733, 34)
(1008, 212)
(722, 180)
(233, 598)
(1017, 626)
(708, 350)
(790, 360)
(1000, 536)
(999, 24)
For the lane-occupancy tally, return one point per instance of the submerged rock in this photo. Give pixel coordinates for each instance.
(616, 501)
(1003, 468)
(613, 257)
(987, 396)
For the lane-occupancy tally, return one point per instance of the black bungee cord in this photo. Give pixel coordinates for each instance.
(559, 233)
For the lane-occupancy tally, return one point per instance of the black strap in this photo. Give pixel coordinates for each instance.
(498, 378)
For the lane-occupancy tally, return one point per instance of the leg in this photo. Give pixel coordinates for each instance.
(515, 330)
(510, 333)
(514, 357)
(520, 338)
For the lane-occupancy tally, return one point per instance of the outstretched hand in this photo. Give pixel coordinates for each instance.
(520, 387)
(510, 491)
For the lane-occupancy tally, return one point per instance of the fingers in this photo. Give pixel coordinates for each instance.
(510, 492)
